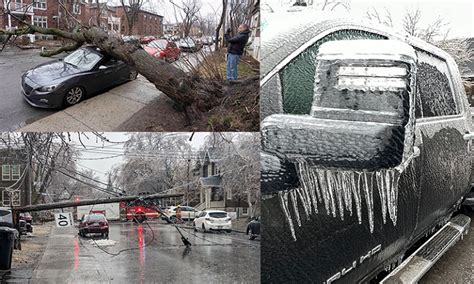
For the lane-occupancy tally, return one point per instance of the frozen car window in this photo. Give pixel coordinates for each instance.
(298, 76)
(218, 215)
(83, 58)
(161, 44)
(434, 94)
(4, 213)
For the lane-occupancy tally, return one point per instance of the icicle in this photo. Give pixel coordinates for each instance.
(340, 191)
(355, 186)
(369, 197)
(382, 194)
(295, 207)
(284, 205)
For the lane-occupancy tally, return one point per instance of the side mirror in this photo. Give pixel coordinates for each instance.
(362, 115)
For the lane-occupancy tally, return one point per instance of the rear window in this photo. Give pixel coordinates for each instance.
(218, 215)
(96, 217)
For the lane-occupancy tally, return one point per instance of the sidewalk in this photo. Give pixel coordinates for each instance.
(64, 242)
(104, 112)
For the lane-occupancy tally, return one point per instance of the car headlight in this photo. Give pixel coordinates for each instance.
(48, 89)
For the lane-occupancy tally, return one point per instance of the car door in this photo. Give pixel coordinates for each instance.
(441, 124)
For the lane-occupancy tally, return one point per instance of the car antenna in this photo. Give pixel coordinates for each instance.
(185, 240)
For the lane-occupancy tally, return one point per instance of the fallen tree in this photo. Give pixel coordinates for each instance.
(193, 94)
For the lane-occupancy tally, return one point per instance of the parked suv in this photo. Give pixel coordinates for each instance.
(366, 138)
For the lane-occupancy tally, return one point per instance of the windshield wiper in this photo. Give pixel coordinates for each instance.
(70, 63)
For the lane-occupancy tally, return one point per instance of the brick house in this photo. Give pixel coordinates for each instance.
(49, 14)
(211, 193)
(16, 178)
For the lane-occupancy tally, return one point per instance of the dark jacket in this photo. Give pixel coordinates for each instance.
(238, 42)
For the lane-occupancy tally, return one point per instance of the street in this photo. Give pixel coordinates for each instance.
(14, 110)
(143, 253)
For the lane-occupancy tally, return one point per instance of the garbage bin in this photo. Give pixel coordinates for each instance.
(7, 241)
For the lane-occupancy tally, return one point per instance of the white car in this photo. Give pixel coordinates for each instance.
(213, 220)
(187, 213)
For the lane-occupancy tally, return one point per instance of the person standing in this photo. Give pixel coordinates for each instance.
(236, 49)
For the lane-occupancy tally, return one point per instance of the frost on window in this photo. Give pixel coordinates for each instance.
(435, 97)
(298, 76)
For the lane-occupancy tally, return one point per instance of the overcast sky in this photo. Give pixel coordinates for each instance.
(458, 13)
(94, 161)
(167, 10)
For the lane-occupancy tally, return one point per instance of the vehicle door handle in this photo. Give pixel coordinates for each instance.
(469, 136)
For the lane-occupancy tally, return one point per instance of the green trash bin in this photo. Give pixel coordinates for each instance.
(7, 241)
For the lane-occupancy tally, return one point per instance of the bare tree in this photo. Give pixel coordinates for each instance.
(220, 25)
(131, 9)
(435, 33)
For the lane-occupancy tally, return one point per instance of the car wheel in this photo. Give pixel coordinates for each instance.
(228, 231)
(74, 96)
(204, 228)
(133, 75)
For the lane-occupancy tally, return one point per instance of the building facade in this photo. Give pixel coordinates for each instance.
(65, 14)
(16, 178)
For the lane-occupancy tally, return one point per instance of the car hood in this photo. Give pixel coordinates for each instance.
(52, 73)
(152, 50)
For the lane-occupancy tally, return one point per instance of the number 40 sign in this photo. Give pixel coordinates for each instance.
(64, 219)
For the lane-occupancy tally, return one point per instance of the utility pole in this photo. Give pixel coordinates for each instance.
(187, 193)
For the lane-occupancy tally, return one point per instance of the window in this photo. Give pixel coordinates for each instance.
(434, 93)
(298, 76)
(39, 4)
(245, 211)
(15, 171)
(6, 172)
(40, 21)
(76, 9)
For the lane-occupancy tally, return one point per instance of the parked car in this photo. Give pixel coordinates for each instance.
(27, 217)
(94, 224)
(163, 49)
(213, 220)
(188, 213)
(253, 228)
(366, 151)
(188, 45)
(147, 39)
(66, 82)
(6, 220)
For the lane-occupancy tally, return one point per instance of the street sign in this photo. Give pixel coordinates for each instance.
(64, 219)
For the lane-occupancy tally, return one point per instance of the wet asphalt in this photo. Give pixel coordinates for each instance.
(14, 110)
(151, 253)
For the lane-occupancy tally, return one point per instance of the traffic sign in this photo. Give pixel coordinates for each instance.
(64, 219)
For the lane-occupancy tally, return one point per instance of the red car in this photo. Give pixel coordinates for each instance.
(94, 224)
(163, 49)
(147, 39)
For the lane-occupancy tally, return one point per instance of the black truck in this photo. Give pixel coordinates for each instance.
(366, 140)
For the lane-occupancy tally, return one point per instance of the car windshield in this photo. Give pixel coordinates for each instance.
(161, 44)
(83, 58)
(218, 215)
(96, 217)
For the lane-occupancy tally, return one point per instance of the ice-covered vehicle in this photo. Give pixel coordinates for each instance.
(366, 136)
